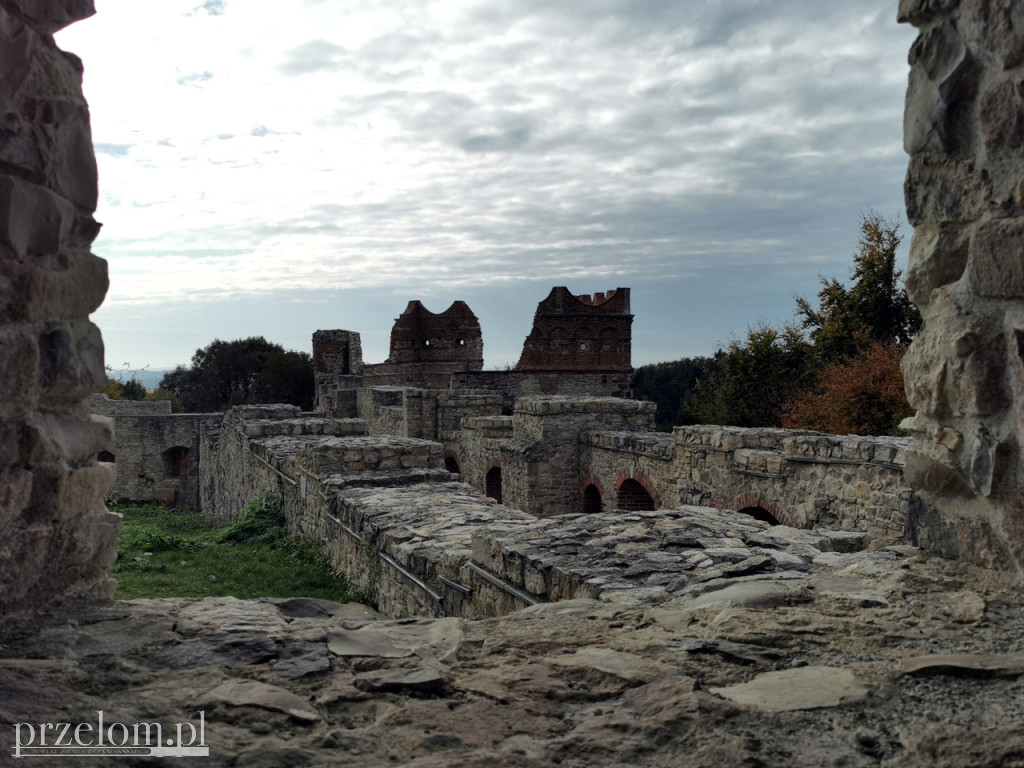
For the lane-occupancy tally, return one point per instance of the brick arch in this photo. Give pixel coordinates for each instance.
(593, 480)
(493, 481)
(592, 505)
(450, 455)
(644, 480)
(758, 499)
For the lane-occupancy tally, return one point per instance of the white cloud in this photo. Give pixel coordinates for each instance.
(443, 147)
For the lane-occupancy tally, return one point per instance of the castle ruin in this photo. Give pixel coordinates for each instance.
(629, 634)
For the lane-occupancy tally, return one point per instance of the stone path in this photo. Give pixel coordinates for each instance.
(897, 661)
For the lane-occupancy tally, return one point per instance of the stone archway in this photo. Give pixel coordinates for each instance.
(492, 483)
(757, 505)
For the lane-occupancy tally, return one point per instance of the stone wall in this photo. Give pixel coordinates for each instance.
(478, 448)
(541, 463)
(964, 131)
(337, 372)
(56, 536)
(511, 385)
(802, 479)
(608, 459)
(419, 544)
(155, 452)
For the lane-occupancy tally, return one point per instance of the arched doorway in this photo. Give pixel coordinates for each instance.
(760, 513)
(451, 464)
(633, 497)
(492, 483)
(591, 500)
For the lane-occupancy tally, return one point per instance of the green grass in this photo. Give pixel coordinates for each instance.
(174, 553)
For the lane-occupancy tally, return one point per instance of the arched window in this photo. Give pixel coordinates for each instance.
(760, 513)
(174, 461)
(106, 456)
(451, 464)
(591, 500)
(492, 483)
(633, 497)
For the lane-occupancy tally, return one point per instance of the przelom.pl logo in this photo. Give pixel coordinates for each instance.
(114, 739)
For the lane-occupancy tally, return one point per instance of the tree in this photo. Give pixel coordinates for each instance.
(132, 389)
(875, 308)
(860, 395)
(670, 386)
(753, 378)
(253, 370)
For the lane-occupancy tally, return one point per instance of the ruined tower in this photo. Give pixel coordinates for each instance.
(580, 333)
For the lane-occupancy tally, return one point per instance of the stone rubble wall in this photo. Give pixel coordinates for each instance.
(964, 373)
(479, 447)
(803, 479)
(419, 544)
(512, 385)
(381, 409)
(57, 538)
(541, 463)
(609, 458)
(156, 453)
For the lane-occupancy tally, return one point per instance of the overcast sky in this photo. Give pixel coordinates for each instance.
(273, 168)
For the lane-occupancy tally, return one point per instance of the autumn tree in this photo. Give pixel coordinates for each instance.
(873, 309)
(132, 389)
(861, 395)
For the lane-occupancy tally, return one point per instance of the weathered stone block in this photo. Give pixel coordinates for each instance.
(33, 220)
(19, 365)
(938, 256)
(49, 16)
(996, 264)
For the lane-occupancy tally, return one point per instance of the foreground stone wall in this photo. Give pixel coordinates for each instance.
(964, 131)
(56, 536)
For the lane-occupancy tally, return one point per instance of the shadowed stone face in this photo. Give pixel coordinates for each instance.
(56, 536)
(964, 130)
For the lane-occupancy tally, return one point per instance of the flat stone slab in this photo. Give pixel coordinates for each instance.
(301, 659)
(364, 642)
(238, 693)
(794, 689)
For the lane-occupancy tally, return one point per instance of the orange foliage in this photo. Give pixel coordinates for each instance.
(861, 395)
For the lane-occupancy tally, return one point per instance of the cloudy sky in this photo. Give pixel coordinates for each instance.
(273, 168)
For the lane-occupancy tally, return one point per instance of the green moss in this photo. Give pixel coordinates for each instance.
(178, 553)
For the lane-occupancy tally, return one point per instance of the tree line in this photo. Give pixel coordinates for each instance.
(834, 368)
(227, 373)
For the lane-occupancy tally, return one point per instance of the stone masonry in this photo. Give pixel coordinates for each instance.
(964, 131)
(56, 536)
(155, 452)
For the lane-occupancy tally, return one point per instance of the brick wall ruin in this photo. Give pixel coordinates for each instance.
(964, 131)
(56, 535)
(580, 333)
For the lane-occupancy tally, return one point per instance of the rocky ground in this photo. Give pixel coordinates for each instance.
(892, 659)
